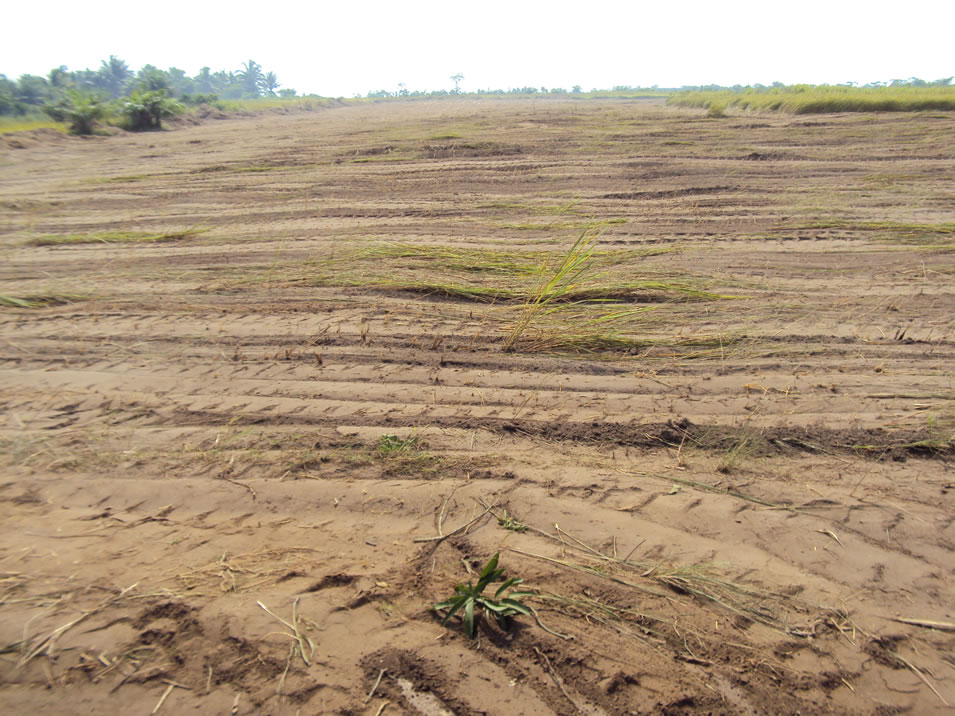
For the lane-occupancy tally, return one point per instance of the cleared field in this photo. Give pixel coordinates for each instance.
(260, 412)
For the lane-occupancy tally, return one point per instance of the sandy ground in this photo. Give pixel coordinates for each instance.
(736, 497)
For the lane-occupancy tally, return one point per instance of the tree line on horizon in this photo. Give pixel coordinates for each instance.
(114, 81)
(140, 99)
(403, 91)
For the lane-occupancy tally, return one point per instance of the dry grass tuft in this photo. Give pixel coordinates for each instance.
(115, 237)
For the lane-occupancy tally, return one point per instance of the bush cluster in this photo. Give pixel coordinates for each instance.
(135, 100)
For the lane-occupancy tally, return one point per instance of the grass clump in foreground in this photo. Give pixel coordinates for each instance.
(498, 276)
(114, 237)
(579, 300)
(575, 268)
(573, 308)
(503, 605)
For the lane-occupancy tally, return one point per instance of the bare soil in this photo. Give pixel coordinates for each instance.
(739, 500)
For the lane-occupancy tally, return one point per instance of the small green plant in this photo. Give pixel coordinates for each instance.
(470, 596)
(392, 445)
(509, 522)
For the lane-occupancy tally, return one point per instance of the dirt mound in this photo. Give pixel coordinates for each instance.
(33, 138)
(207, 111)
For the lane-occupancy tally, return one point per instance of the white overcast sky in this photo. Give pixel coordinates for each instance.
(344, 48)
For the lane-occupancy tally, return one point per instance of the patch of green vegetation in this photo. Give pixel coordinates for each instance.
(407, 456)
(392, 445)
(28, 124)
(573, 307)
(594, 312)
(508, 522)
(114, 237)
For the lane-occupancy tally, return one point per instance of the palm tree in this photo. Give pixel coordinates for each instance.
(113, 73)
(251, 77)
(222, 80)
(204, 81)
(32, 89)
(81, 109)
(59, 77)
(146, 110)
(269, 83)
(153, 79)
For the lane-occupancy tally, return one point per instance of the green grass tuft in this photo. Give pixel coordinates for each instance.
(392, 445)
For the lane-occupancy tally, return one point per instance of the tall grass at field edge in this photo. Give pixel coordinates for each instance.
(808, 99)
(28, 123)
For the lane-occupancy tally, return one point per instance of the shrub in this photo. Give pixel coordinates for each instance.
(198, 98)
(716, 109)
(82, 110)
(146, 110)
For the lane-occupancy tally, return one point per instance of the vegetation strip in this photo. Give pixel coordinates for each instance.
(115, 237)
(809, 99)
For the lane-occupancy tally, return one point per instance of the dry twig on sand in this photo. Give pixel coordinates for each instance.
(48, 643)
(926, 623)
(455, 531)
(301, 639)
